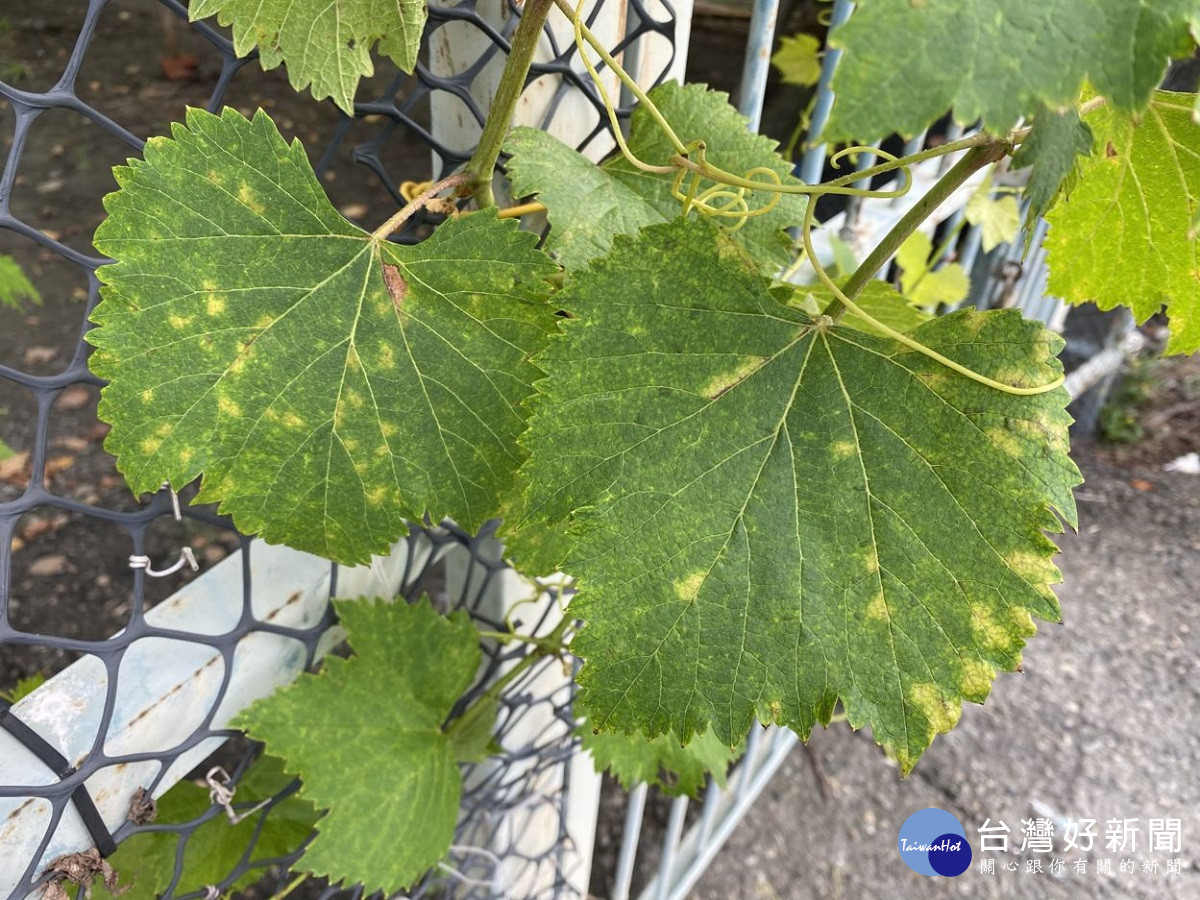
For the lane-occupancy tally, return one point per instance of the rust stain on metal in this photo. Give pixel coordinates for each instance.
(295, 597)
(16, 812)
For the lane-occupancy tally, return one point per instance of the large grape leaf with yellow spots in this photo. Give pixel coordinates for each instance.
(768, 513)
(326, 384)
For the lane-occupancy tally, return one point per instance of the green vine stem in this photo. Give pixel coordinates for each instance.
(973, 160)
(384, 231)
(292, 885)
(553, 644)
(512, 82)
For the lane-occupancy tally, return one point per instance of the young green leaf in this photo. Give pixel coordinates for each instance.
(928, 287)
(903, 64)
(15, 286)
(328, 385)
(30, 683)
(1122, 238)
(325, 43)
(675, 768)
(365, 735)
(798, 59)
(998, 218)
(769, 515)
(1053, 149)
(216, 848)
(588, 205)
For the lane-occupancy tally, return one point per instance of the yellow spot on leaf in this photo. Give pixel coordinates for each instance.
(214, 304)
(1027, 563)
(163, 429)
(976, 679)
(387, 357)
(147, 395)
(149, 446)
(877, 609)
(843, 449)
(726, 380)
(688, 588)
(249, 199)
(291, 420)
(214, 176)
(228, 407)
(178, 322)
(927, 698)
(352, 398)
(377, 496)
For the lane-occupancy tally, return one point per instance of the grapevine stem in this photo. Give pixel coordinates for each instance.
(292, 885)
(384, 231)
(512, 82)
(974, 160)
(550, 645)
(512, 212)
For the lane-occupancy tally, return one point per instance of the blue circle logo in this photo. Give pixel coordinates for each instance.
(933, 842)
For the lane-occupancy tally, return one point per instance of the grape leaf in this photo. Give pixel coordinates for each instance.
(250, 335)
(905, 64)
(30, 683)
(1053, 150)
(371, 727)
(325, 43)
(15, 286)
(998, 217)
(1123, 235)
(146, 861)
(674, 768)
(767, 515)
(587, 205)
(923, 286)
(798, 59)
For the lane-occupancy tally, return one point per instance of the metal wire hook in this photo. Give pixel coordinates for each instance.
(186, 558)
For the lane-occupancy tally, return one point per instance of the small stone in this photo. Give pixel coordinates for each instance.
(46, 566)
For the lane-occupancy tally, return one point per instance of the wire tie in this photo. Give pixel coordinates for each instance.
(186, 558)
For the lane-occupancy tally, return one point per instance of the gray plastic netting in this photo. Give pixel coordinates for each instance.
(79, 91)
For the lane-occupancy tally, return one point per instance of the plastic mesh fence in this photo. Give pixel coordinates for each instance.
(58, 491)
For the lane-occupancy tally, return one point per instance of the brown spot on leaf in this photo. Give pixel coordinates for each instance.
(396, 285)
(1110, 150)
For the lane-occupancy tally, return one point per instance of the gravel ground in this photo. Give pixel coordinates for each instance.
(1104, 724)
